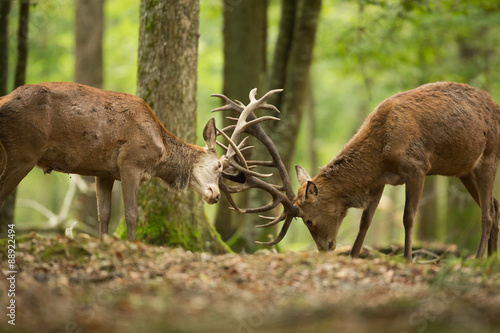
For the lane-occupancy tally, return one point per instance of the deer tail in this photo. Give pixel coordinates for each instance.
(3, 160)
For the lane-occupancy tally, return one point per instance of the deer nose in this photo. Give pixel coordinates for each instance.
(212, 195)
(331, 245)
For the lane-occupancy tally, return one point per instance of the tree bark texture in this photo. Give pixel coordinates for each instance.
(89, 23)
(168, 52)
(9, 205)
(245, 35)
(296, 74)
(7, 209)
(89, 26)
(290, 71)
(4, 46)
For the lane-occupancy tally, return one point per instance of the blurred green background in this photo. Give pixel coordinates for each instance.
(365, 52)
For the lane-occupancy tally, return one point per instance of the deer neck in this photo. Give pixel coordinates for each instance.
(177, 161)
(354, 174)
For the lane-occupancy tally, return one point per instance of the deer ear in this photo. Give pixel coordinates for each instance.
(210, 134)
(302, 174)
(311, 191)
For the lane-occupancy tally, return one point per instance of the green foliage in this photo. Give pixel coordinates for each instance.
(366, 51)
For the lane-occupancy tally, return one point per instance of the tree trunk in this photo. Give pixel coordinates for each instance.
(245, 35)
(168, 52)
(428, 224)
(296, 76)
(9, 205)
(89, 22)
(427, 218)
(7, 208)
(463, 223)
(290, 70)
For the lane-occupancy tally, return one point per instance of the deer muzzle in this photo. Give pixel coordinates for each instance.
(212, 195)
(326, 245)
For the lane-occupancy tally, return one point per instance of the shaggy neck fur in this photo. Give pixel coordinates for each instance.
(177, 162)
(357, 170)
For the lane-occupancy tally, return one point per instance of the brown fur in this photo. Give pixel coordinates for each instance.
(72, 128)
(443, 128)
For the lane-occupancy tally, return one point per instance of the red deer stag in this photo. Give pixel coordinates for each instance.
(72, 128)
(442, 128)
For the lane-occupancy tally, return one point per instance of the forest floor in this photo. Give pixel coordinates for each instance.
(89, 285)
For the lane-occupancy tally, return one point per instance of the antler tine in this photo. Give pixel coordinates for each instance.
(228, 128)
(230, 105)
(221, 145)
(235, 148)
(243, 142)
(249, 123)
(275, 220)
(248, 171)
(282, 233)
(225, 190)
(261, 163)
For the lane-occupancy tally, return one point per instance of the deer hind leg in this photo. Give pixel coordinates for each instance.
(493, 240)
(104, 186)
(366, 220)
(414, 188)
(470, 184)
(485, 177)
(131, 178)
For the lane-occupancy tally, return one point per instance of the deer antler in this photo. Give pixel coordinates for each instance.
(250, 124)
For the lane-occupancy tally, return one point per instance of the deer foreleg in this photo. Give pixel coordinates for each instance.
(485, 177)
(493, 240)
(366, 220)
(104, 187)
(414, 188)
(470, 184)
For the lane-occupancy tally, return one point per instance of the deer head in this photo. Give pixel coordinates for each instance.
(309, 203)
(321, 215)
(207, 169)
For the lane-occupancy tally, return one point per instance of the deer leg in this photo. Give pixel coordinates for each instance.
(366, 220)
(485, 177)
(414, 188)
(130, 186)
(493, 240)
(471, 186)
(103, 186)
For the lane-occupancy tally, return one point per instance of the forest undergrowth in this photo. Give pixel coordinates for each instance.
(91, 285)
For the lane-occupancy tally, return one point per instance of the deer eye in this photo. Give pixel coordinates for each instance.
(219, 165)
(309, 223)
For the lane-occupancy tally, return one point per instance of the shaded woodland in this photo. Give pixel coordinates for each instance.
(336, 61)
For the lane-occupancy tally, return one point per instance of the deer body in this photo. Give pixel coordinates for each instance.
(443, 128)
(72, 128)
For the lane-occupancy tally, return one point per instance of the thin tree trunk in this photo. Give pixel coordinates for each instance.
(427, 217)
(7, 209)
(294, 97)
(168, 54)
(4, 46)
(463, 215)
(245, 34)
(290, 70)
(89, 26)
(9, 205)
(22, 44)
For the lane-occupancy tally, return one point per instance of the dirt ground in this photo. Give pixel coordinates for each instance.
(88, 285)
